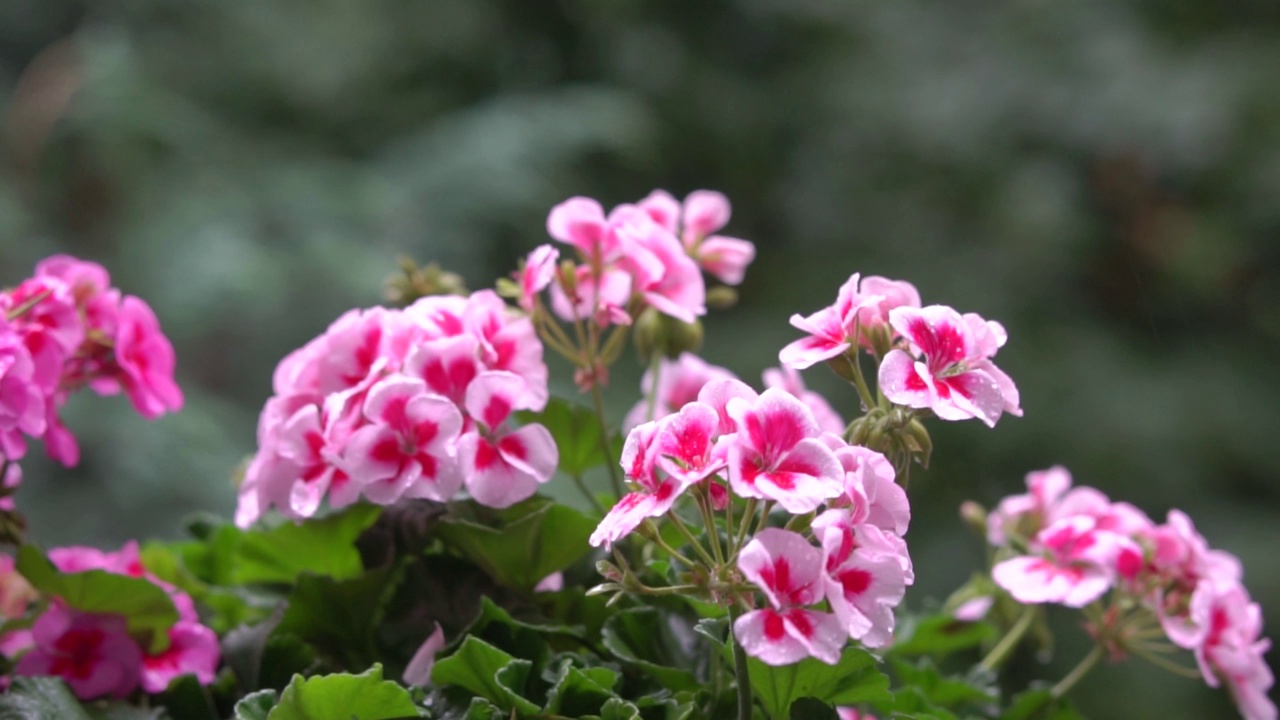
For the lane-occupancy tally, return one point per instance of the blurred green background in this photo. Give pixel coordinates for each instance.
(1102, 177)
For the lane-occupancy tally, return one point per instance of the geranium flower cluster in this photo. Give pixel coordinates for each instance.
(930, 357)
(66, 328)
(94, 653)
(738, 447)
(653, 248)
(1070, 546)
(413, 403)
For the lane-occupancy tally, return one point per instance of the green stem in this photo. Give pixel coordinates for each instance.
(704, 504)
(582, 486)
(22, 309)
(1009, 642)
(740, 671)
(597, 398)
(1078, 672)
(697, 546)
(747, 516)
(860, 383)
(657, 540)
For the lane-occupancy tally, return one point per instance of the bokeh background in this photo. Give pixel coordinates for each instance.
(1103, 177)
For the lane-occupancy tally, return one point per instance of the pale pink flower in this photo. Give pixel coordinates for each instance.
(686, 441)
(193, 649)
(507, 341)
(146, 360)
(679, 382)
(831, 330)
(956, 378)
(312, 453)
(788, 378)
(77, 558)
(551, 583)
(851, 713)
(869, 488)
(538, 271)
(717, 393)
(662, 273)
(703, 213)
(974, 609)
(777, 454)
(1075, 566)
(22, 404)
(501, 466)
(1231, 650)
(657, 492)
(50, 328)
(1028, 513)
(593, 296)
(93, 654)
(407, 447)
(580, 222)
(418, 672)
(788, 570)
(865, 576)
(447, 365)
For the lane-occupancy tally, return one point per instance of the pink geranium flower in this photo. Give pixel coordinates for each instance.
(864, 576)
(501, 466)
(22, 404)
(418, 671)
(662, 273)
(538, 271)
(146, 360)
(1075, 566)
(777, 454)
(788, 570)
(1231, 651)
(656, 493)
(407, 447)
(955, 376)
(92, 653)
(193, 649)
(788, 378)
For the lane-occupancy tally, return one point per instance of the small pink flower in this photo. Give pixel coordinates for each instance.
(1231, 651)
(686, 441)
(974, 609)
(865, 576)
(145, 358)
(656, 494)
(537, 273)
(777, 454)
(850, 713)
(501, 467)
(593, 296)
(668, 279)
(418, 672)
(407, 447)
(51, 328)
(580, 222)
(22, 404)
(956, 378)
(93, 654)
(1074, 569)
(679, 382)
(193, 649)
(788, 570)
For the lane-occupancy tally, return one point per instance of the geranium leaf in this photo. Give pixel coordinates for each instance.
(344, 696)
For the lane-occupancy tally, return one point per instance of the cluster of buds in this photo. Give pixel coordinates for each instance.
(639, 264)
(413, 403)
(63, 329)
(94, 653)
(1072, 546)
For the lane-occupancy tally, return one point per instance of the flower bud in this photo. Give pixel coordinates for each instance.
(567, 276)
(665, 335)
(916, 438)
(722, 297)
(608, 571)
(975, 516)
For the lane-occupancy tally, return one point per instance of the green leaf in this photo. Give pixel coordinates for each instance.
(855, 680)
(124, 711)
(340, 616)
(619, 709)
(40, 698)
(186, 698)
(808, 708)
(147, 608)
(488, 672)
(580, 691)
(939, 691)
(323, 547)
(656, 642)
(576, 430)
(1039, 704)
(256, 706)
(343, 697)
(230, 606)
(940, 635)
(522, 544)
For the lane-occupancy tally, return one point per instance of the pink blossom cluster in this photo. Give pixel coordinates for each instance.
(1073, 545)
(936, 358)
(651, 250)
(769, 447)
(413, 403)
(680, 381)
(94, 653)
(66, 328)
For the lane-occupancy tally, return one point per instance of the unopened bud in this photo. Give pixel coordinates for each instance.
(508, 288)
(608, 571)
(842, 365)
(975, 516)
(654, 332)
(915, 436)
(413, 282)
(722, 297)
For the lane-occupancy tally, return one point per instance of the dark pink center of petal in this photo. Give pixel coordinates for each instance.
(774, 629)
